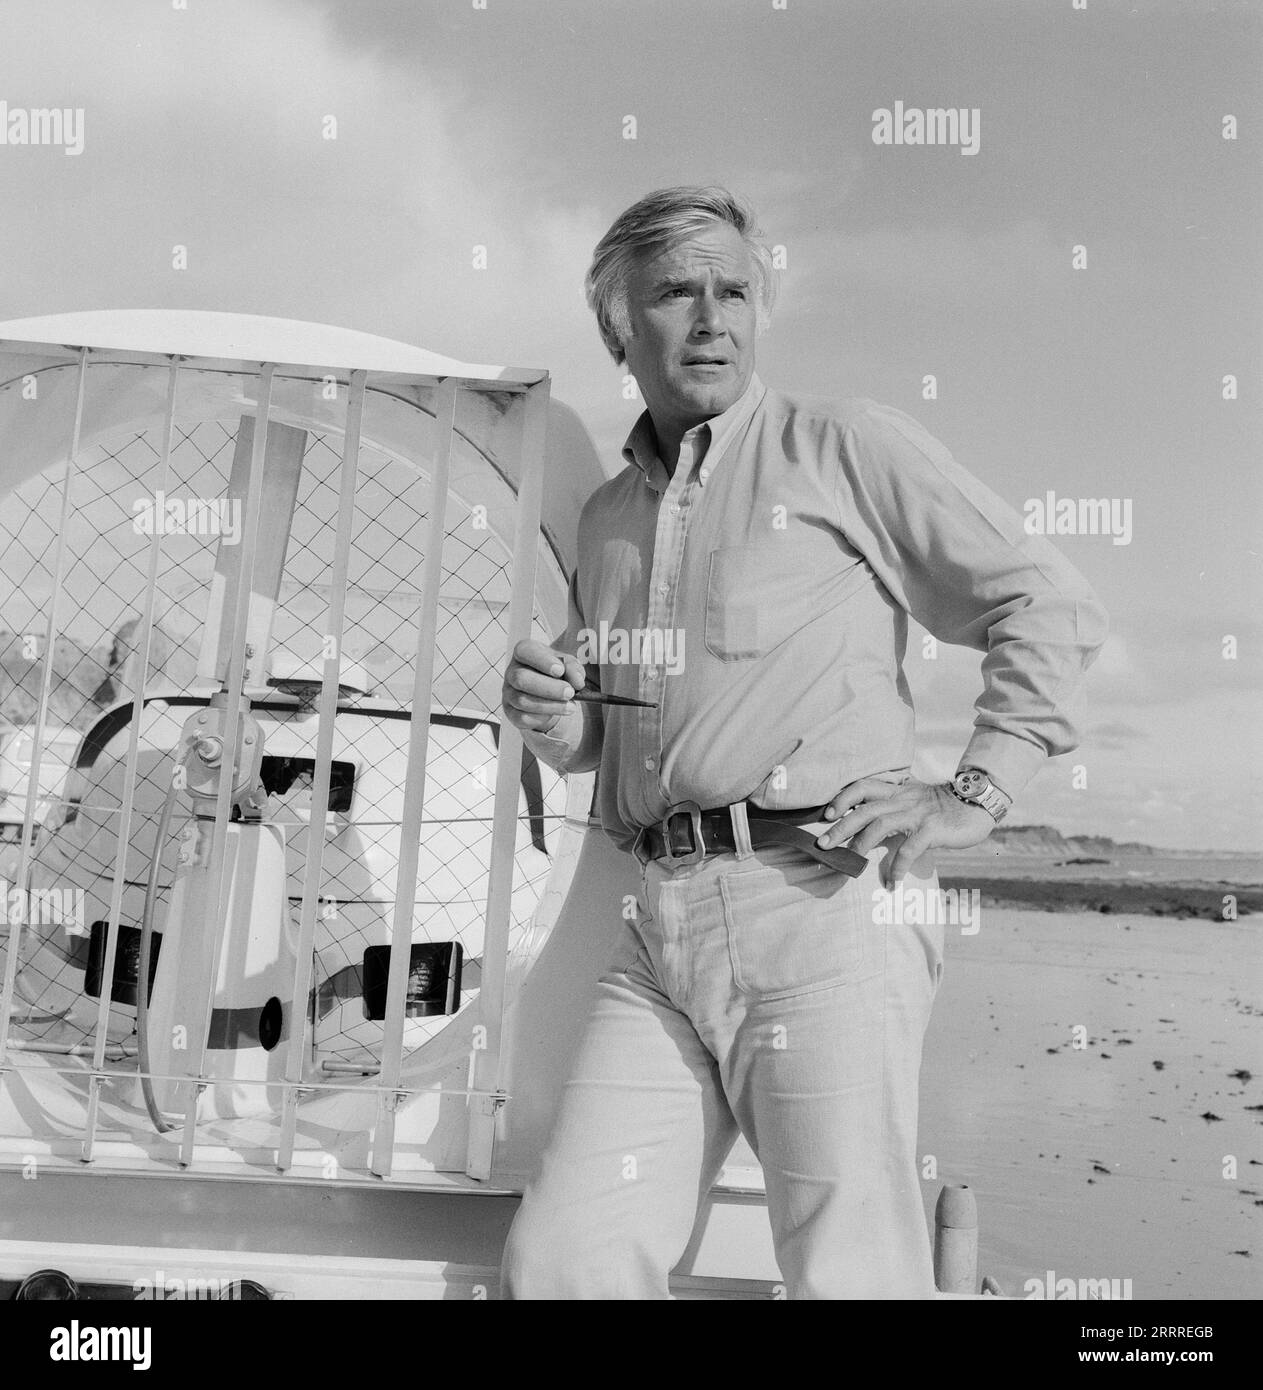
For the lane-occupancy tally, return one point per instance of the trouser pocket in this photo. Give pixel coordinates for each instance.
(795, 926)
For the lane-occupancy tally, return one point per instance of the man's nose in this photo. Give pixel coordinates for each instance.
(708, 317)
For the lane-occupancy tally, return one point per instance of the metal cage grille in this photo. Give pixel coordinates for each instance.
(83, 574)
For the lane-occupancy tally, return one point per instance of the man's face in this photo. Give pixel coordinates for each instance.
(692, 310)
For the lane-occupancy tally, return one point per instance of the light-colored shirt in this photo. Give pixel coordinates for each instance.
(760, 596)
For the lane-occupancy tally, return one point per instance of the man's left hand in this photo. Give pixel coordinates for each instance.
(927, 813)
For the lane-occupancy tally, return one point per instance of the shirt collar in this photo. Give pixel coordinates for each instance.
(641, 447)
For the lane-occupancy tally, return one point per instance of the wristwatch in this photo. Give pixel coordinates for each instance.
(972, 786)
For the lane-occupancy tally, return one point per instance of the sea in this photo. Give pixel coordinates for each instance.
(1163, 866)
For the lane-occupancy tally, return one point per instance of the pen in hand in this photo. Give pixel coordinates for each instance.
(592, 694)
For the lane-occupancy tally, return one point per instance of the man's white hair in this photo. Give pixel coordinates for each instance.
(655, 222)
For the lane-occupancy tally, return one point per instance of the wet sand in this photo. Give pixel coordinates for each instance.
(1106, 1159)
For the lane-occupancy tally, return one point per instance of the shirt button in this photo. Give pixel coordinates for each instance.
(704, 474)
(649, 764)
(675, 508)
(651, 673)
(664, 588)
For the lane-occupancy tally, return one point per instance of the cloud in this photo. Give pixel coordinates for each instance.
(1162, 754)
(198, 136)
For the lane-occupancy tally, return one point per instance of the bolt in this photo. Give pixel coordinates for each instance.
(210, 749)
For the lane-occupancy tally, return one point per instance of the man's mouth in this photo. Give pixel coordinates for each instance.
(706, 362)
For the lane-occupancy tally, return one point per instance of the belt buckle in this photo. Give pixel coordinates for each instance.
(698, 852)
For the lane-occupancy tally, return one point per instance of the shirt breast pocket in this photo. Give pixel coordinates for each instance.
(758, 596)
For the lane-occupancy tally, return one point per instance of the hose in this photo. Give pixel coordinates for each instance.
(142, 972)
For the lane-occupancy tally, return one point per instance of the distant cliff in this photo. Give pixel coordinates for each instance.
(1035, 867)
(1042, 841)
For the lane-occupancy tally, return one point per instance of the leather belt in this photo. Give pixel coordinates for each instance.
(687, 834)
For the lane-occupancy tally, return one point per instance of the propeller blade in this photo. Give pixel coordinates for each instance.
(283, 463)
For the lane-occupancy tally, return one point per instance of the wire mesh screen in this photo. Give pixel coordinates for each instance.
(115, 504)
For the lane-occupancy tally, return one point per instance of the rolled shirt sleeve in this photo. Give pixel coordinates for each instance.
(959, 560)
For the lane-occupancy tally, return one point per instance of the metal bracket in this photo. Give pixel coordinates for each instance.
(490, 1103)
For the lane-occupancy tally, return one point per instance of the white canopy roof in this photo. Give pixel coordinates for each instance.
(29, 440)
(243, 337)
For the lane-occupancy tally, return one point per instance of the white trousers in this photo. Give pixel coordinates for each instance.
(767, 995)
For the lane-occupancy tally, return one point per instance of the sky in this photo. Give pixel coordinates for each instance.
(1101, 127)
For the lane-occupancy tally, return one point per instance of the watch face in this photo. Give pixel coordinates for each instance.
(970, 783)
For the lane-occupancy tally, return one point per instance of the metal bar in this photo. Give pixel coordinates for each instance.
(506, 379)
(115, 1052)
(217, 867)
(487, 1062)
(41, 712)
(334, 1087)
(414, 787)
(324, 762)
(124, 833)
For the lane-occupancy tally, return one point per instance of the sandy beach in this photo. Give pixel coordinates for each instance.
(1105, 1159)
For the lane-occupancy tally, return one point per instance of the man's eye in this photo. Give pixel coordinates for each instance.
(679, 289)
(736, 294)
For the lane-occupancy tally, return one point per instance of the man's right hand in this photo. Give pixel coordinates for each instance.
(538, 685)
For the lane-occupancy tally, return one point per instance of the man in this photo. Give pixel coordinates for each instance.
(760, 555)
